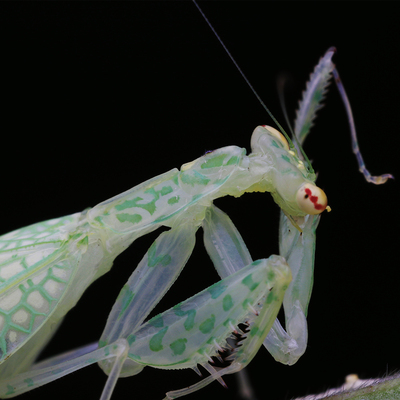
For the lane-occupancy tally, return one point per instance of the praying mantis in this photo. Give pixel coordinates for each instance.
(167, 156)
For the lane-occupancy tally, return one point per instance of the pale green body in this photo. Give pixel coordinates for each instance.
(45, 268)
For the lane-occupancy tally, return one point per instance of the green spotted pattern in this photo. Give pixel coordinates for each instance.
(188, 324)
(125, 297)
(248, 281)
(227, 302)
(178, 347)
(154, 260)
(181, 336)
(160, 198)
(208, 325)
(155, 343)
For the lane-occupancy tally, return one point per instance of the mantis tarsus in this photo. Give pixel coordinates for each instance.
(133, 164)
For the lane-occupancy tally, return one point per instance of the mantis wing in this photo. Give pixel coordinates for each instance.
(35, 273)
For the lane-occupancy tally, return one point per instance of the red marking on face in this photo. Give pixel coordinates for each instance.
(314, 200)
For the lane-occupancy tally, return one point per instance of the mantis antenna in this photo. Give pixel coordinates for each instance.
(255, 93)
(377, 180)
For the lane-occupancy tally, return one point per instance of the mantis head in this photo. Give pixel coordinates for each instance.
(288, 178)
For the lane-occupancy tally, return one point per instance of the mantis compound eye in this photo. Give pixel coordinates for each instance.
(311, 199)
(274, 132)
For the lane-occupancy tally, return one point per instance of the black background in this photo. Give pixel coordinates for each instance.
(100, 97)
